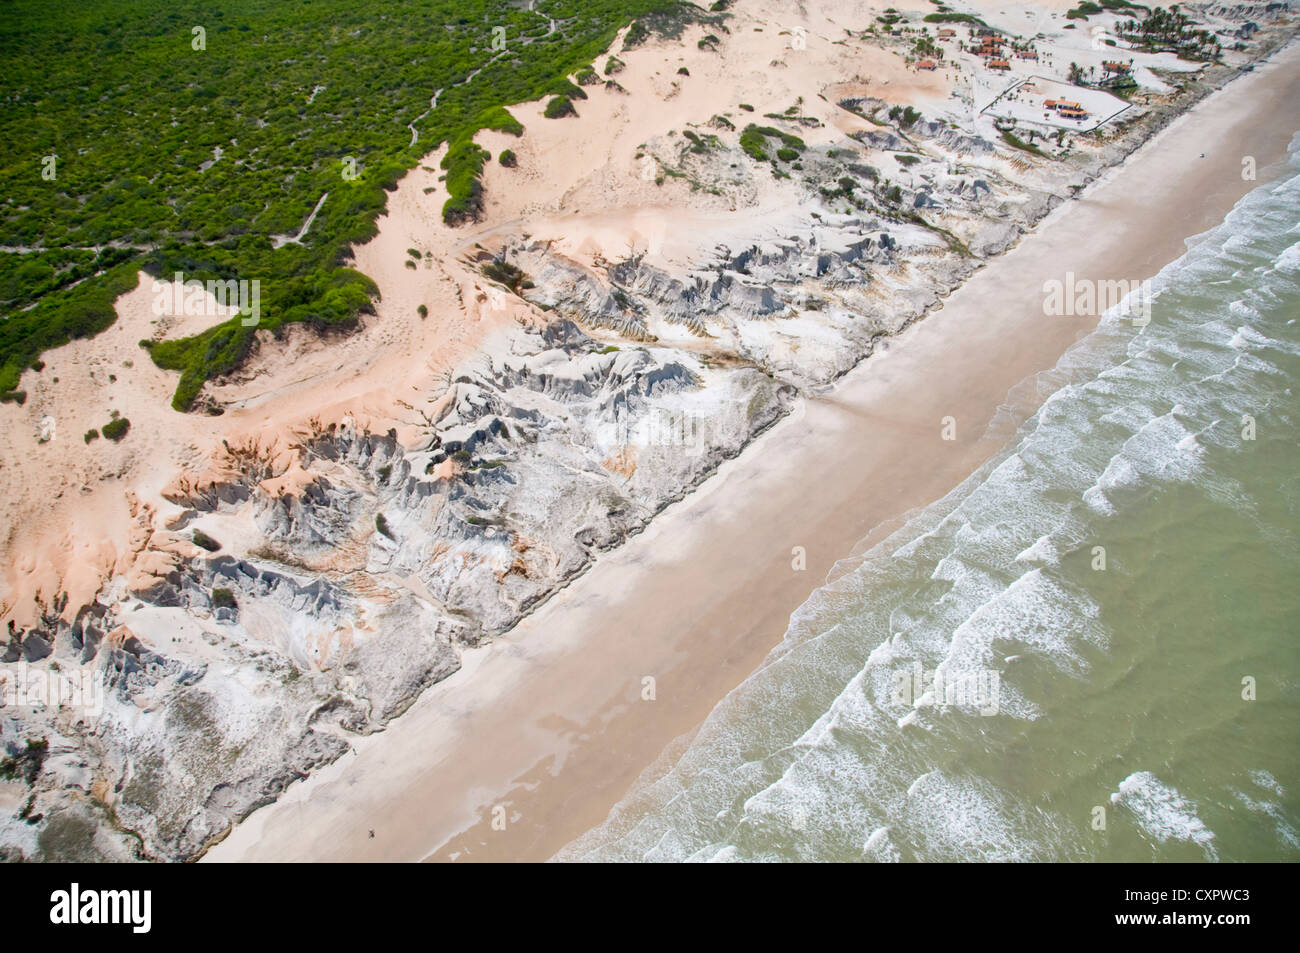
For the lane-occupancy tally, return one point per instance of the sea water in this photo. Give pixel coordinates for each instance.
(1118, 590)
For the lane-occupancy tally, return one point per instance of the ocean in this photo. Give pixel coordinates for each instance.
(1085, 652)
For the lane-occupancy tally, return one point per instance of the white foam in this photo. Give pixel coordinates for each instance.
(1289, 260)
(1162, 813)
(1043, 551)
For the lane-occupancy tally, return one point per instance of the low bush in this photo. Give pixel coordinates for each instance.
(116, 429)
(204, 541)
(559, 107)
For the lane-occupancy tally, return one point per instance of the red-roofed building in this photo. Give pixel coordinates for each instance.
(999, 64)
(927, 64)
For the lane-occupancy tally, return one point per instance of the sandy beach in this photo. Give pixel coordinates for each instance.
(548, 727)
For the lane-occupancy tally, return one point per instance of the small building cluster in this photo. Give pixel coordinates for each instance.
(1066, 109)
(990, 44)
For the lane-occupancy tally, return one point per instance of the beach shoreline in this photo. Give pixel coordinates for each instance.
(550, 724)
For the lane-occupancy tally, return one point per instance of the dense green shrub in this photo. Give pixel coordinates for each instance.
(754, 141)
(204, 541)
(116, 428)
(132, 115)
(559, 107)
(954, 18)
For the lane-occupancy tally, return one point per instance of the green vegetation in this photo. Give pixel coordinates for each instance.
(1170, 30)
(508, 159)
(1089, 9)
(59, 317)
(91, 434)
(668, 20)
(116, 428)
(223, 599)
(422, 311)
(381, 524)
(464, 163)
(507, 274)
(754, 141)
(905, 116)
(925, 47)
(1012, 139)
(559, 107)
(175, 151)
(954, 18)
(702, 145)
(204, 541)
